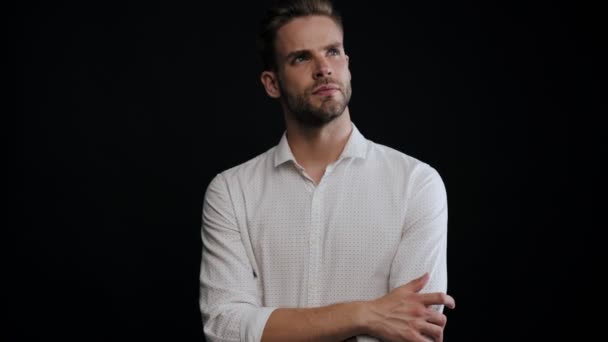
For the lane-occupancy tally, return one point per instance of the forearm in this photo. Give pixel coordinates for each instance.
(336, 322)
(402, 314)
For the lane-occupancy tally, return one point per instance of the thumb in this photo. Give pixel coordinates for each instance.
(418, 284)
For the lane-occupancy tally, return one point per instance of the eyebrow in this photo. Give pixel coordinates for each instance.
(300, 52)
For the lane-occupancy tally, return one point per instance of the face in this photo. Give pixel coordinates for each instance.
(312, 79)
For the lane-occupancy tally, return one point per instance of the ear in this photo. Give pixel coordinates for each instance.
(271, 84)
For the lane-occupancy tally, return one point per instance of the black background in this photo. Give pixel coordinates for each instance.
(125, 113)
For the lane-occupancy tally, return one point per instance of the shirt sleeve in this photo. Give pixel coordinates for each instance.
(423, 246)
(230, 295)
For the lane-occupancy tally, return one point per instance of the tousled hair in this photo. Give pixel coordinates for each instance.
(279, 14)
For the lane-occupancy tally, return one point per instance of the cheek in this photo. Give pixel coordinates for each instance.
(346, 78)
(294, 89)
(285, 85)
(345, 71)
(293, 84)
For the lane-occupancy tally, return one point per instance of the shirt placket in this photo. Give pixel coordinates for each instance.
(314, 261)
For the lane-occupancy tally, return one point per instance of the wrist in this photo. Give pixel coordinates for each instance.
(361, 317)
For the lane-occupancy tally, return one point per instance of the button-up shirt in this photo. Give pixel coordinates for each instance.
(273, 238)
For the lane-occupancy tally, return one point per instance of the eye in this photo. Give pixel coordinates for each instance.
(333, 52)
(299, 59)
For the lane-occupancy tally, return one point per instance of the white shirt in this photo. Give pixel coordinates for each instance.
(272, 238)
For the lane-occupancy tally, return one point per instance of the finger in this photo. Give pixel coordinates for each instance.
(437, 318)
(417, 284)
(418, 337)
(433, 331)
(438, 298)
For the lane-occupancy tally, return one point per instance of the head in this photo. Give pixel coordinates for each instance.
(305, 66)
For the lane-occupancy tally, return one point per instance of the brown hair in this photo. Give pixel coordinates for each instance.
(279, 14)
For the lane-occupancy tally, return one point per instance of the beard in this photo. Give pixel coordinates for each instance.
(313, 116)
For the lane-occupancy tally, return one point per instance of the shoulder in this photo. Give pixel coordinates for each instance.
(248, 171)
(406, 176)
(251, 168)
(420, 183)
(399, 163)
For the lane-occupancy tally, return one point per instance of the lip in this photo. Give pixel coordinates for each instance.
(325, 89)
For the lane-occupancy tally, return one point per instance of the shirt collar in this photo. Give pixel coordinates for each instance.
(356, 147)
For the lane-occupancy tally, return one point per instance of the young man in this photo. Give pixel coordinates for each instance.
(327, 236)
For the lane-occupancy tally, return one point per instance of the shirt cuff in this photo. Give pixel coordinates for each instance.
(253, 323)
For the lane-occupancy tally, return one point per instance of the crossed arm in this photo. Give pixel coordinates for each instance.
(402, 315)
(235, 312)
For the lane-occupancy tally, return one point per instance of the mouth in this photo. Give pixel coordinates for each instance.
(325, 90)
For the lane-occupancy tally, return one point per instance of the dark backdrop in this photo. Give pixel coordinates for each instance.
(125, 113)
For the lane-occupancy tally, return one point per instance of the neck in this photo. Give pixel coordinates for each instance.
(317, 147)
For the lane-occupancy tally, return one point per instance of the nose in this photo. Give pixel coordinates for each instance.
(323, 69)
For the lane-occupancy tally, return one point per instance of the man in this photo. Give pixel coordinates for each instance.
(327, 236)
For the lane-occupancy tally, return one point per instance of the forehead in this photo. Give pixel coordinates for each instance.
(307, 33)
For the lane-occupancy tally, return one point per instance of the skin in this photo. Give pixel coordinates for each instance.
(310, 54)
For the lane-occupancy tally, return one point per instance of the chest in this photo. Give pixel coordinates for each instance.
(334, 221)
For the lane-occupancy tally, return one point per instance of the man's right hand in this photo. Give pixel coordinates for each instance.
(404, 314)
